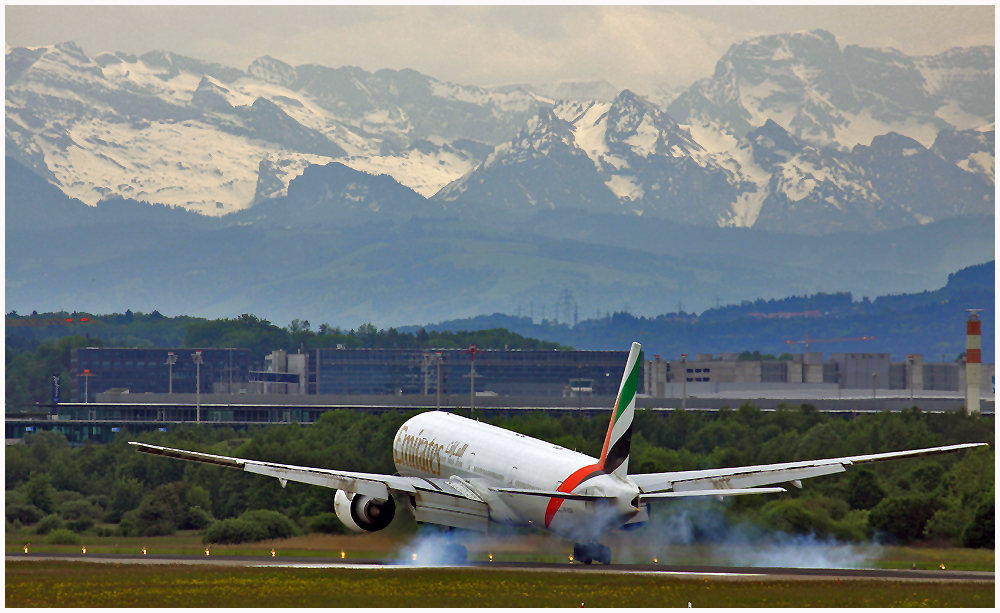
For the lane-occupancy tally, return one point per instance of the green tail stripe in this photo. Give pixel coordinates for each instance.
(628, 390)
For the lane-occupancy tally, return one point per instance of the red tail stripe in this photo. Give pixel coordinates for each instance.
(567, 486)
(611, 426)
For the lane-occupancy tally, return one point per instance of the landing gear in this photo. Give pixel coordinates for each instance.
(591, 552)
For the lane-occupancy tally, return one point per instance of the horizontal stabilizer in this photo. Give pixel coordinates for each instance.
(548, 494)
(713, 492)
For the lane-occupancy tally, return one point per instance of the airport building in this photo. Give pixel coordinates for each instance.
(95, 370)
(871, 371)
(346, 372)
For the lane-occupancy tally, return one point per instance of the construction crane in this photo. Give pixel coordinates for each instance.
(46, 322)
(808, 341)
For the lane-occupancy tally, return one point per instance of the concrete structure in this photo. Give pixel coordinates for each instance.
(406, 372)
(95, 370)
(809, 375)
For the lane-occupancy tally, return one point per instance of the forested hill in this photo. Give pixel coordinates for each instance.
(931, 323)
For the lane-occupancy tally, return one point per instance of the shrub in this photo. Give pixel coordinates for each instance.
(251, 526)
(197, 496)
(853, 527)
(79, 509)
(100, 500)
(947, 524)
(38, 491)
(232, 531)
(327, 523)
(197, 518)
(24, 513)
(863, 490)
(62, 537)
(904, 517)
(126, 494)
(277, 525)
(792, 516)
(80, 525)
(159, 514)
(48, 524)
(981, 531)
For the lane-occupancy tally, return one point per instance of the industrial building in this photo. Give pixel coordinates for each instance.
(499, 372)
(153, 370)
(871, 371)
(340, 372)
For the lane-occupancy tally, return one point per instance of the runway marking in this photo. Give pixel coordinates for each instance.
(737, 574)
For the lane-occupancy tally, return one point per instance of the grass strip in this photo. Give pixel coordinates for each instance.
(80, 584)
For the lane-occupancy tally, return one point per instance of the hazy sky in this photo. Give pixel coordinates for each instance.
(630, 46)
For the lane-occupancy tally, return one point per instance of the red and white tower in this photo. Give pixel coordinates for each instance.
(973, 360)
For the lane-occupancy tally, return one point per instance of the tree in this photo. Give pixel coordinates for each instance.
(981, 531)
(863, 490)
(904, 517)
(38, 492)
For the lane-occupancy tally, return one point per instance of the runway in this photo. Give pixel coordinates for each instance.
(667, 571)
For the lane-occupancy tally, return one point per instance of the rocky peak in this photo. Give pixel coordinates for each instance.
(270, 70)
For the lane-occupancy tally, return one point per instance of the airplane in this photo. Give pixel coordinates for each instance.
(461, 473)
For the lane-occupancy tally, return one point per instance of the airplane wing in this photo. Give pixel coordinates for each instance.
(743, 477)
(368, 484)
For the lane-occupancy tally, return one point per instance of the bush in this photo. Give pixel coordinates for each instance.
(232, 531)
(38, 491)
(24, 513)
(197, 496)
(129, 524)
(159, 514)
(981, 531)
(947, 524)
(791, 516)
(276, 524)
(197, 518)
(48, 524)
(126, 494)
(863, 490)
(62, 537)
(79, 509)
(853, 527)
(904, 517)
(327, 523)
(250, 527)
(80, 525)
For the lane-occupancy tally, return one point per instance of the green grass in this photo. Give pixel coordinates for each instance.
(78, 584)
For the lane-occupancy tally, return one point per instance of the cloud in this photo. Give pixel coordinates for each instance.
(634, 47)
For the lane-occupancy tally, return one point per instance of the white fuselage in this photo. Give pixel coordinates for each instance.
(438, 444)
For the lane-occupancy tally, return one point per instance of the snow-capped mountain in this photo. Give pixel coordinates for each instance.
(652, 166)
(792, 133)
(841, 97)
(169, 129)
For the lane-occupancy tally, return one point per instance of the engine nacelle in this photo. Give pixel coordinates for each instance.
(363, 513)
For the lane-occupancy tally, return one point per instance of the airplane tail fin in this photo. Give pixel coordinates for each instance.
(617, 444)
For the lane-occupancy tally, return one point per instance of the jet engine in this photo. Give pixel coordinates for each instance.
(363, 513)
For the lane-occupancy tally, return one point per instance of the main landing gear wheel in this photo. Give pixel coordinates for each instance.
(592, 552)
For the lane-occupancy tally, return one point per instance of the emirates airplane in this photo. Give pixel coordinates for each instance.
(460, 473)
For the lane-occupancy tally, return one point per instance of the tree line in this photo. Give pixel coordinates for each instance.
(52, 487)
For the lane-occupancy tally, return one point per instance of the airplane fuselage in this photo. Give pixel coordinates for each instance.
(444, 445)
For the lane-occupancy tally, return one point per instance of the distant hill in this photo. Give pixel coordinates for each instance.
(931, 323)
